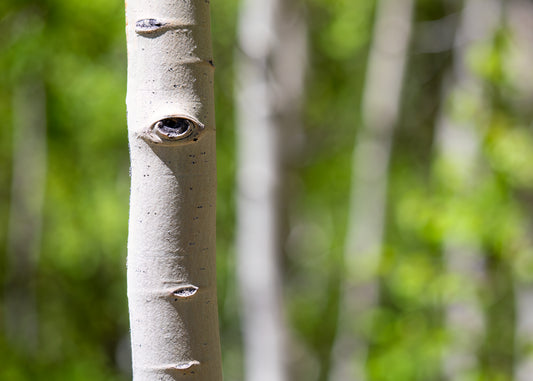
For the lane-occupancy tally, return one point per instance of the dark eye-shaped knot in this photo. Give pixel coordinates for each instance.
(174, 129)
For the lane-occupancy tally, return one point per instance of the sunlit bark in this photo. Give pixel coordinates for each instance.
(171, 245)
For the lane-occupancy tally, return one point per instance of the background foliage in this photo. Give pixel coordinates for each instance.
(77, 50)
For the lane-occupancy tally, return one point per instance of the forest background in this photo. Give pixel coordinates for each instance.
(452, 267)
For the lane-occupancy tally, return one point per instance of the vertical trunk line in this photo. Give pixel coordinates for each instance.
(26, 214)
(497, 355)
(519, 17)
(366, 221)
(269, 85)
(171, 244)
(458, 149)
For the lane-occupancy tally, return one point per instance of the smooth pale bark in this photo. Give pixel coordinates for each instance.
(458, 150)
(364, 236)
(270, 67)
(26, 213)
(171, 244)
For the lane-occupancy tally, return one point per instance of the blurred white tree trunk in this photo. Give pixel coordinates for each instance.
(524, 332)
(458, 150)
(270, 67)
(171, 245)
(368, 200)
(26, 213)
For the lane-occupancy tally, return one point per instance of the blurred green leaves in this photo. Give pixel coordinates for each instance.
(77, 49)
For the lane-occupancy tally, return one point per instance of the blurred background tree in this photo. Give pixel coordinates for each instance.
(456, 232)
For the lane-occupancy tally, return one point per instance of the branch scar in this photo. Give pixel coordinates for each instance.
(185, 291)
(154, 27)
(173, 129)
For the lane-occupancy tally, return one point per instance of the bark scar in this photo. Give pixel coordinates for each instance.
(185, 291)
(186, 365)
(173, 129)
(151, 27)
(181, 366)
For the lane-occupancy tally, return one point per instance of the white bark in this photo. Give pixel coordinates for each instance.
(26, 213)
(364, 237)
(458, 147)
(171, 245)
(269, 83)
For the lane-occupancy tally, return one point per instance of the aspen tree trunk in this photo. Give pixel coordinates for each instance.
(171, 245)
(364, 236)
(458, 148)
(269, 83)
(25, 219)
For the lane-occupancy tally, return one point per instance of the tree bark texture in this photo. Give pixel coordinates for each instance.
(370, 167)
(171, 244)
